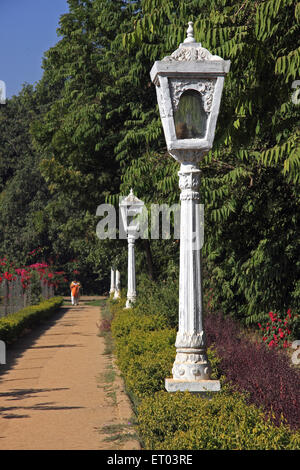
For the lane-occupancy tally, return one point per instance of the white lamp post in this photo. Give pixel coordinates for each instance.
(112, 281)
(189, 86)
(117, 293)
(130, 207)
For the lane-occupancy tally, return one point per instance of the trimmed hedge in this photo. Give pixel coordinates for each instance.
(13, 325)
(183, 421)
(144, 346)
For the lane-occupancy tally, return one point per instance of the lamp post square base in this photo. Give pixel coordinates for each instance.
(200, 386)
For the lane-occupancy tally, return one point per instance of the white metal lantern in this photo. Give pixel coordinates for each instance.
(189, 86)
(130, 207)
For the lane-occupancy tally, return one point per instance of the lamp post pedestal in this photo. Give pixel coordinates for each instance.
(131, 292)
(191, 369)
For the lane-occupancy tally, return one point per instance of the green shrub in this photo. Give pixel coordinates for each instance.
(145, 350)
(126, 320)
(159, 299)
(138, 342)
(146, 373)
(184, 421)
(12, 326)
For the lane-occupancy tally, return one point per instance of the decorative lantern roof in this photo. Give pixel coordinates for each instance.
(130, 206)
(189, 86)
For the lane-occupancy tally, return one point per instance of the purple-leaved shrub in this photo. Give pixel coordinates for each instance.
(265, 374)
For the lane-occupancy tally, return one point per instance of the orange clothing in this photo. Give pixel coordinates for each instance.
(75, 288)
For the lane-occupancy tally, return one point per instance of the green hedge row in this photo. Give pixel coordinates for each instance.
(226, 422)
(144, 346)
(13, 325)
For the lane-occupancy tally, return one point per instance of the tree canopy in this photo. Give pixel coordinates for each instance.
(91, 130)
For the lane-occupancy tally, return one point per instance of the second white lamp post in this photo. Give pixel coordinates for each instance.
(130, 207)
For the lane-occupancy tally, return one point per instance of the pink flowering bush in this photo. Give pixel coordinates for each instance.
(9, 272)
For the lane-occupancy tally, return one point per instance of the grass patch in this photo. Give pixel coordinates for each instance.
(106, 381)
(109, 376)
(113, 396)
(119, 433)
(104, 326)
(95, 303)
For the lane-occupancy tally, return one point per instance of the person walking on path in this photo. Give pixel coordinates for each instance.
(75, 286)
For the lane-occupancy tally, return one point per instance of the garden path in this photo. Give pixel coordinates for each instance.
(54, 391)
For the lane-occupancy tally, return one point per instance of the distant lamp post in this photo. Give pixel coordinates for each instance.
(117, 293)
(112, 281)
(130, 207)
(189, 86)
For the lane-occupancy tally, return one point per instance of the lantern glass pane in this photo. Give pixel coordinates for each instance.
(190, 117)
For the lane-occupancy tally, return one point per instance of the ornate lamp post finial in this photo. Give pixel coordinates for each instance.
(190, 33)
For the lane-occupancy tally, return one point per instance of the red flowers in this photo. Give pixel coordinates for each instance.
(45, 271)
(279, 335)
(8, 276)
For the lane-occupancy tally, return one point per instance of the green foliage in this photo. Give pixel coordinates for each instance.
(249, 183)
(13, 325)
(144, 349)
(146, 374)
(158, 298)
(23, 190)
(144, 346)
(183, 421)
(125, 323)
(95, 132)
(35, 288)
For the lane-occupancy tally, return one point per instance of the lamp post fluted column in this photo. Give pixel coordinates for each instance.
(191, 369)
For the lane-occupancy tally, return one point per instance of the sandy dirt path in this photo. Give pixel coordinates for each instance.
(53, 393)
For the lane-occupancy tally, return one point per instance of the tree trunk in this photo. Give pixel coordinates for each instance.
(149, 259)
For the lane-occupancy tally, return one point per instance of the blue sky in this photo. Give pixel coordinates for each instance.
(27, 30)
